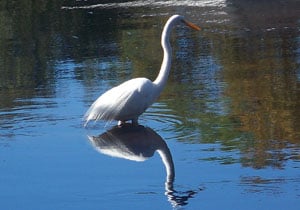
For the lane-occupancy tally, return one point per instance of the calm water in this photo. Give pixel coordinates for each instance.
(224, 133)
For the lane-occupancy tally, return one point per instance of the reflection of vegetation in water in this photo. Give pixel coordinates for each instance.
(260, 70)
(24, 44)
(140, 44)
(263, 88)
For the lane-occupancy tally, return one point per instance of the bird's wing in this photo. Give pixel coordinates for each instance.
(138, 99)
(122, 102)
(106, 106)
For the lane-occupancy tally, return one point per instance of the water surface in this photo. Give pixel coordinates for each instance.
(224, 133)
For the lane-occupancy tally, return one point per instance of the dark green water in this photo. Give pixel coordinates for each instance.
(228, 117)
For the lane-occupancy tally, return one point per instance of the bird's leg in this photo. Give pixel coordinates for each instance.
(121, 123)
(135, 122)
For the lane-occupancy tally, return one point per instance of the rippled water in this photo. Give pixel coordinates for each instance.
(223, 134)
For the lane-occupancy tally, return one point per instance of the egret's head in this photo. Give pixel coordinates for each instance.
(177, 18)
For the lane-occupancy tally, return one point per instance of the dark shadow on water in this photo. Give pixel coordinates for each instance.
(139, 143)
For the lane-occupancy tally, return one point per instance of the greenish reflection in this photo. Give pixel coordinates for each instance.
(25, 39)
(260, 67)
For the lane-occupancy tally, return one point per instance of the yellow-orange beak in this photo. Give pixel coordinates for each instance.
(192, 25)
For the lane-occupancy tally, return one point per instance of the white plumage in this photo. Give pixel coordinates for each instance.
(130, 99)
(123, 103)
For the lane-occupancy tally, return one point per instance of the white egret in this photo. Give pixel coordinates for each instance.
(131, 98)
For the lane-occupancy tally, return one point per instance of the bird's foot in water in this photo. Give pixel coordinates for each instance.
(122, 123)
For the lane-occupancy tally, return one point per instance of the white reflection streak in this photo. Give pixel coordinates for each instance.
(204, 3)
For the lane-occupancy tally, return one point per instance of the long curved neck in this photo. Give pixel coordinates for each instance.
(162, 77)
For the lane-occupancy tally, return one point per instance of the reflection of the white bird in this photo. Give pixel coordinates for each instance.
(139, 143)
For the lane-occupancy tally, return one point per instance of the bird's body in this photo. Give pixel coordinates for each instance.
(129, 102)
(130, 99)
